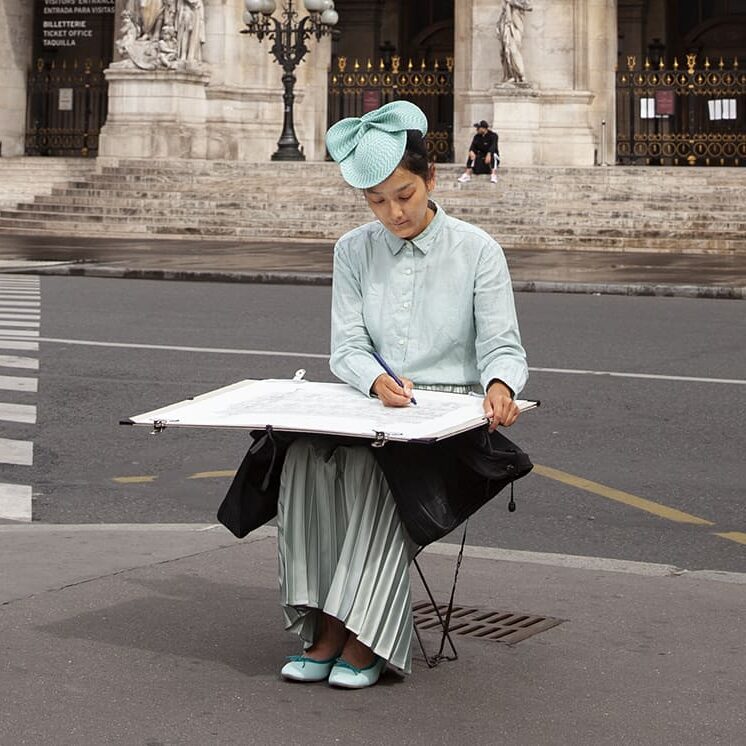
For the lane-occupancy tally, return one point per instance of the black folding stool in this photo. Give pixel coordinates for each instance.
(444, 621)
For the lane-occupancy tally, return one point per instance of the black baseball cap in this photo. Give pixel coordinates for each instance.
(482, 123)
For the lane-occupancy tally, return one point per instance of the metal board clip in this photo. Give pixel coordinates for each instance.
(380, 439)
(158, 427)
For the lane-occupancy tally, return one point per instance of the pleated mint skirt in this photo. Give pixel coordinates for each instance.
(342, 547)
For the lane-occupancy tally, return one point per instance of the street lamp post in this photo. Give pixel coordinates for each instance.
(289, 49)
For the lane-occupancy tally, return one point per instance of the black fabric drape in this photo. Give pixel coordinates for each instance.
(436, 486)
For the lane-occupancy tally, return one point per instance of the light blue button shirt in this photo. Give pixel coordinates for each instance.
(439, 307)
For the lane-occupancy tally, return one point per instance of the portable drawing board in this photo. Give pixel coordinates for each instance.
(323, 408)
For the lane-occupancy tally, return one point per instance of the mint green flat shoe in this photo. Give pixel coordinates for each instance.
(347, 676)
(300, 668)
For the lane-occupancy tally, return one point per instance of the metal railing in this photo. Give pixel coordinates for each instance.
(682, 114)
(66, 108)
(356, 88)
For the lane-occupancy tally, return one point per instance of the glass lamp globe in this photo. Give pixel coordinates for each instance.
(268, 7)
(254, 6)
(330, 17)
(314, 6)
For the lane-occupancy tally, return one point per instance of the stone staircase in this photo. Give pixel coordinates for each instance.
(697, 210)
(22, 179)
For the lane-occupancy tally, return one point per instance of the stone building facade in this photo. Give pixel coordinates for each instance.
(230, 105)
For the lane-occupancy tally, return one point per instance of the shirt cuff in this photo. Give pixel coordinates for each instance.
(367, 372)
(513, 374)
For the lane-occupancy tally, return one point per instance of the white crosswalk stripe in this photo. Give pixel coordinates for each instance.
(15, 502)
(19, 452)
(17, 344)
(20, 316)
(17, 332)
(18, 383)
(18, 413)
(19, 361)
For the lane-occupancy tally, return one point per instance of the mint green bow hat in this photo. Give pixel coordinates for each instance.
(369, 148)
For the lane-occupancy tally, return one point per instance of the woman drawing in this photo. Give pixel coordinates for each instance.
(433, 296)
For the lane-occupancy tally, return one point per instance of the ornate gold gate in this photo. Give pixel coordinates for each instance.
(681, 115)
(356, 88)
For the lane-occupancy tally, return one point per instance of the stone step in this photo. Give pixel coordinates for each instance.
(218, 166)
(357, 211)
(615, 209)
(507, 241)
(332, 179)
(215, 225)
(551, 220)
(597, 206)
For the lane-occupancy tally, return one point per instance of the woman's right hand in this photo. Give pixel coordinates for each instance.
(391, 393)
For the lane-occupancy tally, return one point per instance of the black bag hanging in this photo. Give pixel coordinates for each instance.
(251, 500)
(438, 486)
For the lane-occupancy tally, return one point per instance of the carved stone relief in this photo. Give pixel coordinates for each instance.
(162, 35)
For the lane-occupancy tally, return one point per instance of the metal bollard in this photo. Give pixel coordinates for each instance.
(603, 143)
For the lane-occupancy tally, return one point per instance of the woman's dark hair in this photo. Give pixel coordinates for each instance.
(415, 158)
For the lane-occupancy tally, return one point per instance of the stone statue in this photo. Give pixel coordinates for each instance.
(162, 35)
(190, 30)
(510, 31)
(151, 18)
(136, 53)
(168, 54)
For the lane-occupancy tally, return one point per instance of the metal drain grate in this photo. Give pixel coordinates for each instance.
(483, 624)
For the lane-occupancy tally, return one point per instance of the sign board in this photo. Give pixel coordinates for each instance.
(65, 102)
(371, 100)
(68, 30)
(665, 103)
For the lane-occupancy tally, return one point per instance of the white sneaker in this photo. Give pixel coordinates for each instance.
(464, 178)
(493, 178)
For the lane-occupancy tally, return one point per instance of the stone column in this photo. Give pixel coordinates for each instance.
(16, 28)
(602, 60)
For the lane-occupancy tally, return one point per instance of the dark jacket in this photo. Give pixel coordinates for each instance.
(436, 486)
(486, 143)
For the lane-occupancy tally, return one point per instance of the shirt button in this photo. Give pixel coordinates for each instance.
(408, 271)
(401, 341)
(405, 305)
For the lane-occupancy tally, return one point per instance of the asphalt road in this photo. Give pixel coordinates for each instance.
(677, 443)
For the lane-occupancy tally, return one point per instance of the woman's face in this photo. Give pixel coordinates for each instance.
(400, 202)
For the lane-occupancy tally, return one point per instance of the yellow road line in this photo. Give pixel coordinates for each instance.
(662, 511)
(212, 474)
(134, 480)
(737, 536)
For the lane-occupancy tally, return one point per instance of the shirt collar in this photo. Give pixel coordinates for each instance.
(425, 240)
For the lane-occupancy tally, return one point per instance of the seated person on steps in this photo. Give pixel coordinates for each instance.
(484, 155)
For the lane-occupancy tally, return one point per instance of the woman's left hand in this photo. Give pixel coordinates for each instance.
(499, 406)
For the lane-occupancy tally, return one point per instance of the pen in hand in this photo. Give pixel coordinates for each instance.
(386, 367)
